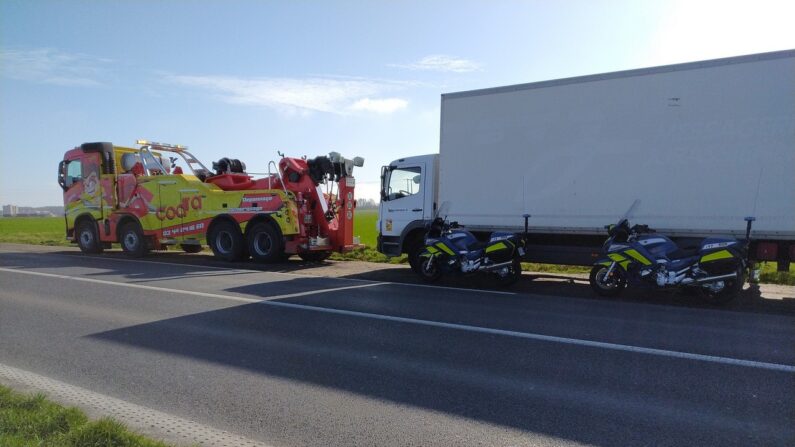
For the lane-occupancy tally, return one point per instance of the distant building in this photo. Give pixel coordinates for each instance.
(9, 210)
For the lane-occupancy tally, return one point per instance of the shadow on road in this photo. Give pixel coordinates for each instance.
(587, 395)
(470, 375)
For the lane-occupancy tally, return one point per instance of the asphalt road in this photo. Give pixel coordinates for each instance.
(292, 359)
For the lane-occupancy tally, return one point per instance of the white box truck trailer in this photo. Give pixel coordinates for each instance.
(699, 145)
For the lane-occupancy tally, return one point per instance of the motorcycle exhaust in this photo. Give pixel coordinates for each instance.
(708, 279)
(495, 266)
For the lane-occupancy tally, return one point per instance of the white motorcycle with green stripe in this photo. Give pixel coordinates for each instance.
(637, 256)
(452, 250)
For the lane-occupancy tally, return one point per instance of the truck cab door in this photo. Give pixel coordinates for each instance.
(80, 179)
(403, 198)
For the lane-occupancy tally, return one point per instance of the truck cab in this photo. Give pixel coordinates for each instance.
(409, 195)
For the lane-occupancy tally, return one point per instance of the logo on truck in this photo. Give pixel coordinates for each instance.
(181, 210)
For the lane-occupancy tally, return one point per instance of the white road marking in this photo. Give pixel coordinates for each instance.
(439, 324)
(189, 292)
(142, 419)
(299, 275)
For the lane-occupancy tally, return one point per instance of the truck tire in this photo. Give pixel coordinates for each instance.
(226, 241)
(88, 237)
(414, 253)
(265, 243)
(190, 248)
(315, 256)
(133, 241)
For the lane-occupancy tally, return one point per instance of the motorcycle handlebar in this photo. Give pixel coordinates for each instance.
(643, 229)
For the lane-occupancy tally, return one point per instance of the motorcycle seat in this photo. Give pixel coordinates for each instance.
(682, 253)
(477, 245)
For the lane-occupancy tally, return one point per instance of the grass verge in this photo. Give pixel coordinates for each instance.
(32, 420)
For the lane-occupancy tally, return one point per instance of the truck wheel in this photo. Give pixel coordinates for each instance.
(226, 241)
(88, 237)
(414, 253)
(133, 241)
(606, 286)
(315, 256)
(513, 273)
(190, 248)
(731, 287)
(265, 243)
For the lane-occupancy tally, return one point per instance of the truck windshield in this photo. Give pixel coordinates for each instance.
(403, 182)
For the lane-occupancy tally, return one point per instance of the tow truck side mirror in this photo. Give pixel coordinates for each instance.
(61, 178)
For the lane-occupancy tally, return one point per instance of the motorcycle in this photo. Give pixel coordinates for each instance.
(451, 250)
(638, 256)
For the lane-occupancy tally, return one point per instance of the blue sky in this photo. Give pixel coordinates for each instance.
(247, 78)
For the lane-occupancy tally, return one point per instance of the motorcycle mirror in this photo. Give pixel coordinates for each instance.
(443, 210)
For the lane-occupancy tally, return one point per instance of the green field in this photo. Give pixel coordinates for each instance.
(364, 226)
(50, 231)
(33, 230)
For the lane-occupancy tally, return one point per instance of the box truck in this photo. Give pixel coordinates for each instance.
(699, 146)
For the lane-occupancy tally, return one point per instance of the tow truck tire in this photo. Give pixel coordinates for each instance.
(88, 237)
(315, 256)
(133, 241)
(226, 241)
(265, 243)
(190, 248)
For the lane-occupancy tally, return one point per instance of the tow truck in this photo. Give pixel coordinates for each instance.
(159, 195)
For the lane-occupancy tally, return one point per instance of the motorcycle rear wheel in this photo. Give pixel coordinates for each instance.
(612, 287)
(513, 274)
(729, 291)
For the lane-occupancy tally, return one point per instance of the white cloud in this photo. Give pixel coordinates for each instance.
(441, 62)
(387, 105)
(300, 95)
(49, 66)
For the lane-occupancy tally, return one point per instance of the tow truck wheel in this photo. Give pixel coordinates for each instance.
(226, 241)
(132, 240)
(315, 256)
(87, 237)
(265, 243)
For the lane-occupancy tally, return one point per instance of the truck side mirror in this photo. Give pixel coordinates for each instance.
(62, 175)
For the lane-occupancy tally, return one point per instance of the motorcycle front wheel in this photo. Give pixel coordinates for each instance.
(611, 286)
(429, 268)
